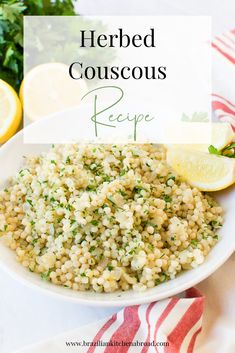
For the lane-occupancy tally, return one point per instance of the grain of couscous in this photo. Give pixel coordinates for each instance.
(106, 218)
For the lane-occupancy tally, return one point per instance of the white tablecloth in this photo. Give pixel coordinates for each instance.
(27, 316)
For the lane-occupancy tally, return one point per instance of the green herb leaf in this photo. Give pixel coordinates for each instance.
(95, 223)
(68, 160)
(46, 275)
(167, 198)
(110, 198)
(123, 172)
(30, 202)
(122, 193)
(213, 150)
(91, 188)
(229, 151)
(194, 242)
(11, 32)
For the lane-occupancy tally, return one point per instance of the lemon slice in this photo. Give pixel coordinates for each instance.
(206, 171)
(48, 88)
(222, 135)
(10, 111)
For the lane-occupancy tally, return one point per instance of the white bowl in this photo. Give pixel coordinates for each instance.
(11, 160)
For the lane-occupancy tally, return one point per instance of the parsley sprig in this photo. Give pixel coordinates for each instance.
(228, 151)
(11, 32)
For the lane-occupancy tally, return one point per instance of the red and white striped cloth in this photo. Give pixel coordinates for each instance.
(173, 324)
(223, 63)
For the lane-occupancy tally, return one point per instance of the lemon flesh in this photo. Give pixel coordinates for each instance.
(48, 88)
(205, 171)
(10, 111)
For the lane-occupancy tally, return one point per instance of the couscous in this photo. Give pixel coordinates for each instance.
(106, 217)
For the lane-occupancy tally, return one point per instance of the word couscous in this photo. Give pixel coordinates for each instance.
(106, 217)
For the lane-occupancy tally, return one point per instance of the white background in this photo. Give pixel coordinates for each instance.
(25, 315)
(222, 11)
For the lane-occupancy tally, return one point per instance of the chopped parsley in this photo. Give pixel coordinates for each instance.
(68, 160)
(106, 178)
(121, 192)
(95, 222)
(110, 198)
(228, 151)
(215, 224)
(34, 241)
(167, 198)
(30, 202)
(74, 232)
(91, 188)
(137, 189)
(194, 242)
(46, 275)
(123, 172)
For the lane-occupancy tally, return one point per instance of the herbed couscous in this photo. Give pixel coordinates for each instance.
(106, 217)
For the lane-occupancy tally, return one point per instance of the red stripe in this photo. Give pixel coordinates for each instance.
(163, 316)
(188, 320)
(225, 44)
(227, 56)
(193, 293)
(193, 340)
(229, 116)
(127, 331)
(146, 348)
(219, 105)
(228, 119)
(100, 333)
(226, 35)
(227, 101)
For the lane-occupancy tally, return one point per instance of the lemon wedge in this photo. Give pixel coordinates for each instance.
(205, 171)
(10, 111)
(48, 88)
(222, 135)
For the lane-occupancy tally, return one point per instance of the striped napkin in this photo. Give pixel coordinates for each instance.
(167, 326)
(223, 63)
(170, 325)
